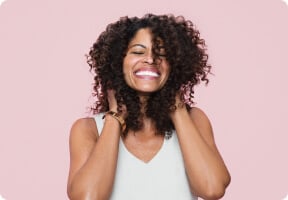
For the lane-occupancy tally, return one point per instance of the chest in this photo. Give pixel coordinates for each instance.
(163, 177)
(144, 150)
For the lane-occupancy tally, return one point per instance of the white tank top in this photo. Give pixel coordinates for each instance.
(162, 178)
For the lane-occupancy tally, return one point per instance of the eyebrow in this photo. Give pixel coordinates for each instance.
(141, 45)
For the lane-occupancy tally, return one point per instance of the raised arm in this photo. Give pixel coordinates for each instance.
(207, 173)
(93, 159)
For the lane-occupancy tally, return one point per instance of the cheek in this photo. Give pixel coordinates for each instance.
(126, 72)
(127, 63)
(167, 69)
(124, 65)
(167, 74)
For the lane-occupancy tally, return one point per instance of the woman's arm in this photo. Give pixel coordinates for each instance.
(206, 171)
(93, 158)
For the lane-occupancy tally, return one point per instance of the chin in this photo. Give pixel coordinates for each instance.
(146, 88)
(147, 91)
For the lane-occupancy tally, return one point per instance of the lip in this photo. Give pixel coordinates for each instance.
(147, 73)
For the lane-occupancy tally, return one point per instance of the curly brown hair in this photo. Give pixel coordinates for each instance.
(185, 53)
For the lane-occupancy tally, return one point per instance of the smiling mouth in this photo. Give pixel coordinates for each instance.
(144, 73)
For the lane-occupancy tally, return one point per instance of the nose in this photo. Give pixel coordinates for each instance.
(151, 60)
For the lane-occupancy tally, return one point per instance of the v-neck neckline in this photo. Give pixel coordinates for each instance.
(134, 157)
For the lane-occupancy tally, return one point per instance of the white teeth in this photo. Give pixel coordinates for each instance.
(147, 73)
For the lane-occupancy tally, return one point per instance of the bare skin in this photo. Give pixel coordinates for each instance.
(93, 156)
(206, 170)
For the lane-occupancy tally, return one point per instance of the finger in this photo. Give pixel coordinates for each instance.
(112, 100)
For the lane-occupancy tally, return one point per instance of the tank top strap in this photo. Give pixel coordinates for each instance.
(99, 121)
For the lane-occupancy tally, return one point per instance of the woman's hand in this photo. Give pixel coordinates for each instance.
(113, 106)
(179, 107)
(112, 100)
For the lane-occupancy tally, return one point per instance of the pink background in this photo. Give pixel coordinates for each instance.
(45, 86)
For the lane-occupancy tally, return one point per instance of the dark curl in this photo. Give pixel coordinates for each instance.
(185, 53)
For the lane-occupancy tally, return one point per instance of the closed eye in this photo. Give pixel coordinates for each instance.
(138, 53)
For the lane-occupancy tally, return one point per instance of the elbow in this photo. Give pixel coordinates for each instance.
(78, 194)
(84, 194)
(81, 196)
(213, 194)
(216, 191)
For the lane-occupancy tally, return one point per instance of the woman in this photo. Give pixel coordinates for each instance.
(152, 143)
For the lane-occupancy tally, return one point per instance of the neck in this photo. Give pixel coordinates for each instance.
(149, 127)
(143, 101)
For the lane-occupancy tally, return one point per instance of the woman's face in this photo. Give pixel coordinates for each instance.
(141, 72)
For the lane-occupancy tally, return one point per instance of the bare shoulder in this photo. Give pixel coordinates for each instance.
(199, 117)
(84, 129)
(203, 124)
